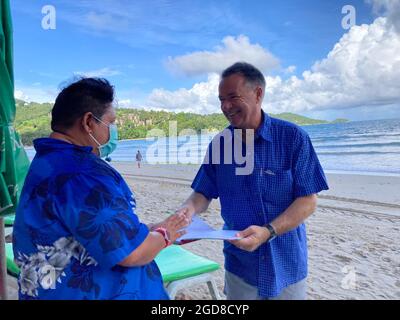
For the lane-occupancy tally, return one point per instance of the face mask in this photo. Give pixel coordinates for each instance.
(106, 149)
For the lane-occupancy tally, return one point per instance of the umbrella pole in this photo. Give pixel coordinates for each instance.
(3, 265)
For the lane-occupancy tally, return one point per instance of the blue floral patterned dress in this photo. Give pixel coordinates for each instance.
(75, 222)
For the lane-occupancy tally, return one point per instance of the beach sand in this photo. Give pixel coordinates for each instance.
(353, 237)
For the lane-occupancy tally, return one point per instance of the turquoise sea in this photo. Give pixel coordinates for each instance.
(369, 147)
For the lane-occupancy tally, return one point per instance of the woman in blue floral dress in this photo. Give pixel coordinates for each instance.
(76, 234)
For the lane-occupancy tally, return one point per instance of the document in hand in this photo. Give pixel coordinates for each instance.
(199, 229)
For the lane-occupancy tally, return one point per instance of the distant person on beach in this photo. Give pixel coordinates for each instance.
(269, 205)
(139, 158)
(76, 233)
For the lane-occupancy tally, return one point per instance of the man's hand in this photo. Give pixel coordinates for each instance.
(196, 203)
(186, 210)
(253, 237)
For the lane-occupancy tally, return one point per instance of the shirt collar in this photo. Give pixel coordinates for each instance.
(264, 130)
(50, 144)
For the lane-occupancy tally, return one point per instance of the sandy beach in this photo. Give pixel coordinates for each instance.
(353, 237)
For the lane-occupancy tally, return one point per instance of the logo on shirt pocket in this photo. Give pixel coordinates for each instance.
(276, 184)
(269, 172)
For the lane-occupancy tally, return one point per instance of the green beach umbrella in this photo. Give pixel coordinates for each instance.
(14, 162)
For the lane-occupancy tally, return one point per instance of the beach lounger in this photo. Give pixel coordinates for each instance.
(9, 220)
(11, 266)
(179, 268)
(182, 269)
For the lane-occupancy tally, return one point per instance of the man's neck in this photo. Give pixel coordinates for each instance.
(67, 138)
(70, 139)
(255, 127)
(260, 120)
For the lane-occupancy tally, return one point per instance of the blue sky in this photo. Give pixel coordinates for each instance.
(166, 54)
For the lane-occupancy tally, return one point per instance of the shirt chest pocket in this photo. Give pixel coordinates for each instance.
(276, 185)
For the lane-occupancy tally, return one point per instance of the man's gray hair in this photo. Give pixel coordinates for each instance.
(249, 72)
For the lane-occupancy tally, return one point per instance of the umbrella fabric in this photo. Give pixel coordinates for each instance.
(14, 162)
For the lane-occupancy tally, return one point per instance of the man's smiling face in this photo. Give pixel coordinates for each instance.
(240, 102)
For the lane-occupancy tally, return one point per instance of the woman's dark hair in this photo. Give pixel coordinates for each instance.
(252, 75)
(85, 95)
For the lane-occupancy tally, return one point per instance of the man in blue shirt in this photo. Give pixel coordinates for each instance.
(270, 203)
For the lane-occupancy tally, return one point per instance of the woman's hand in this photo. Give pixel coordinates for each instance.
(173, 224)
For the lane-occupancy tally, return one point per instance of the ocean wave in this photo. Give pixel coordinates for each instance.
(351, 153)
(353, 136)
(358, 145)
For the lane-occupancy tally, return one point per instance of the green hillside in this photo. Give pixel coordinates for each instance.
(33, 121)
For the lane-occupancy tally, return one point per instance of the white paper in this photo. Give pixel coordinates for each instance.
(198, 229)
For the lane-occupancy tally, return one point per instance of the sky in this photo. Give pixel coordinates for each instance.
(167, 55)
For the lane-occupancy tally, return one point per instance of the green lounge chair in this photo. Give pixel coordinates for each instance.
(9, 220)
(11, 266)
(179, 268)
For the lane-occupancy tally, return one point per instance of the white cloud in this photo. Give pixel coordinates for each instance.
(35, 93)
(290, 69)
(103, 72)
(143, 23)
(19, 94)
(125, 103)
(389, 8)
(362, 70)
(232, 50)
(201, 98)
(104, 22)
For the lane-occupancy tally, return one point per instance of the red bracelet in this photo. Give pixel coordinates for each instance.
(164, 233)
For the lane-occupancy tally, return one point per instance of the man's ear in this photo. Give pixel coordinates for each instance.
(87, 122)
(259, 94)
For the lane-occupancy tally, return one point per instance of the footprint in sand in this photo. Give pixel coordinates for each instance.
(343, 258)
(364, 285)
(360, 253)
(337, 240)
